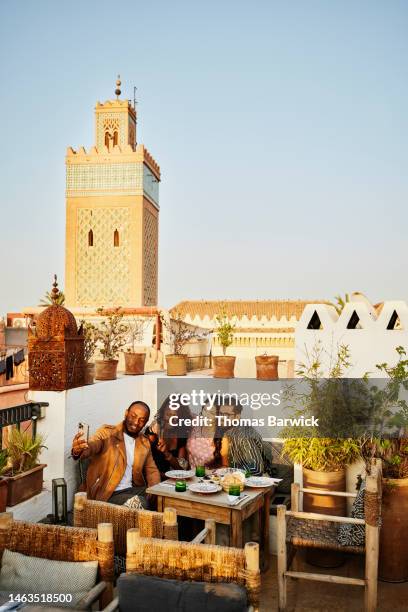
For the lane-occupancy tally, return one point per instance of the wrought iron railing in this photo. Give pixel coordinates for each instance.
(21, 414)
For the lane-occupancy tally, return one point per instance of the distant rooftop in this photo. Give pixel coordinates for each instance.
(244, 308)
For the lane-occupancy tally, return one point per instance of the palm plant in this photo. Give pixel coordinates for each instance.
(24, 450)
(49, 300)
(340, 302)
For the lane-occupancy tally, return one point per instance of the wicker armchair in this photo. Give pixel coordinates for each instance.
(309, 530)
(88, 513)
(195, 561)
(64, 544)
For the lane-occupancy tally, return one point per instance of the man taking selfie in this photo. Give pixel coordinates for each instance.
(121, 464)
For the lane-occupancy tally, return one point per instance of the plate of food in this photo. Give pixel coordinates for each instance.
(227, 470)
(180, 474)
(204, 487)
(259, 482)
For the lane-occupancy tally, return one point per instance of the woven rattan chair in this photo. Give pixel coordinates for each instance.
(195, 561)
(60, 543)
(309, 530)
(88, 513)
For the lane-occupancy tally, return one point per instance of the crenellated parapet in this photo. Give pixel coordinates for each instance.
(116, 154)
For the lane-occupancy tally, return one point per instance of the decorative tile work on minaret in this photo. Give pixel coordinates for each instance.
(112, 212)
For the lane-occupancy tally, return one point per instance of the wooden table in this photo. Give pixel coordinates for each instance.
(215, 506)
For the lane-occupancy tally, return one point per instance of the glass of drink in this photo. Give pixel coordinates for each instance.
(200, 471)
(181, 486)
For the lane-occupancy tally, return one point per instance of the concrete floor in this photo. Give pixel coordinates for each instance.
(305, 595)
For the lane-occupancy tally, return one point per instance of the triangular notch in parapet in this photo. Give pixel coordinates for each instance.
(354, 322)
(394, 322)
(315, 322)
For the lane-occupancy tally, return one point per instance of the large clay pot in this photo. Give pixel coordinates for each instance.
(267, 367)
(25, 485)
(224, 366)
(176, 365)
(134, 363)
(324, 504)
(89, 374)
(393, 561)
(106, 369)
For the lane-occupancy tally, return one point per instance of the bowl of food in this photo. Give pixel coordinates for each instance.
(233, 478)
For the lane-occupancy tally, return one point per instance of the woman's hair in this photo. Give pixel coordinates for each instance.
(183, 412)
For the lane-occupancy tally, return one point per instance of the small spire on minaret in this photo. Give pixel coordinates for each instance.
(117, 90)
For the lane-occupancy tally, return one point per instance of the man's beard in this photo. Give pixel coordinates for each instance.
(132, 434)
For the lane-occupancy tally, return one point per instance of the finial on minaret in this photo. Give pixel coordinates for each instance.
(117, 90)
(55, 293)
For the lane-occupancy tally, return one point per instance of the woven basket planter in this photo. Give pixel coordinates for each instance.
(106, 369)
(176, 365)
(267, 367)
(134, 363)
(224, 366)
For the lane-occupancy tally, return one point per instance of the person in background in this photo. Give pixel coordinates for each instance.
(121, 464)
(168, 443)
(204, 443)
(242, 446)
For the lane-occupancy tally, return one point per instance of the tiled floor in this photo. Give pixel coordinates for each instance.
(305, 596)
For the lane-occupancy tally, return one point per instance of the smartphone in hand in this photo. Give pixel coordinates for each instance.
(83, 429)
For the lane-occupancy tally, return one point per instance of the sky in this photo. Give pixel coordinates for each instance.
(281, 129)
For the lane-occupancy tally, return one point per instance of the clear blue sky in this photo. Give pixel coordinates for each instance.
(281, 129)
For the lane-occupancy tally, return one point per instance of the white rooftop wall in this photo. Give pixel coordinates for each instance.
(370, 342)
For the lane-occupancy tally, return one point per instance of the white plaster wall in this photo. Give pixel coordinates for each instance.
(370, 345)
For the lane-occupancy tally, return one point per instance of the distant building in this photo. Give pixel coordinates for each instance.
(262, 326)
(112, 215)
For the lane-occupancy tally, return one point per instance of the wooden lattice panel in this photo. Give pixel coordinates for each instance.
(150, 245)
(103, 270)
(55, 365)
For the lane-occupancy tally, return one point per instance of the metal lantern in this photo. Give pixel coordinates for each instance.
(59, 501)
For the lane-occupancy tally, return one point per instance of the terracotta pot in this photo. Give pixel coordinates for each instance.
(106, 369)
(267, 367)
(393, 561)
(89, 374)
(25, 485)
(176, 365)
(3, 494)
(324, 504)
(134, 363)
(224, 366)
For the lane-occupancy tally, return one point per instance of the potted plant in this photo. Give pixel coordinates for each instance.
(24, 474)
(3, 481)
(267, 367)
(179, 334)
(135, 361)
(392, 420)
(224, 365)
(110, 336)
(340, 406)
(89, 351)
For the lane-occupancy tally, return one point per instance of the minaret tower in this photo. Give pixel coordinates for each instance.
(112, 214)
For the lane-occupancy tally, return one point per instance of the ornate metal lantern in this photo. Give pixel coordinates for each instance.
(55, 349)
(59, 501)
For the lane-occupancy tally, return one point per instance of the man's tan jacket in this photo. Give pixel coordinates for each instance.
(107, 464)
